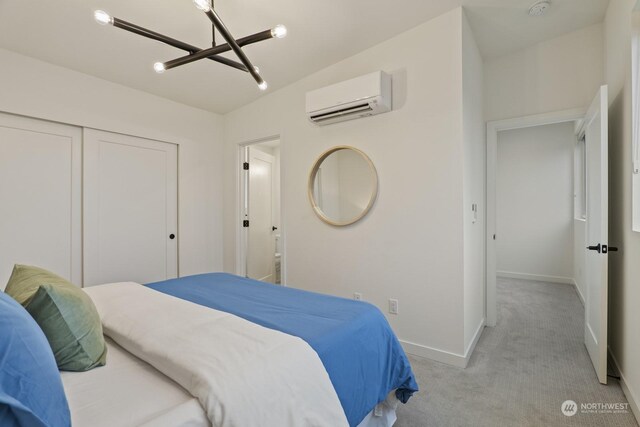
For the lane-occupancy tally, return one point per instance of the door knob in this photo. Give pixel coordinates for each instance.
(594, 248)
(603, 248)
(172, 236)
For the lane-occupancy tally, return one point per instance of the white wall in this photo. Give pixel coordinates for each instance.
(410, 246)
(624, 268)
(38, 89)
(474, 135)
(558, 74)
(535, 202)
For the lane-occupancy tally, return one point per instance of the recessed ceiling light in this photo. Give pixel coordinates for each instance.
(539, 8)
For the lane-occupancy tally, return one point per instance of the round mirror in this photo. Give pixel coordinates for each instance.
(343, 185)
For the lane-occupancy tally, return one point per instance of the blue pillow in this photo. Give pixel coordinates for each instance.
(31, 392)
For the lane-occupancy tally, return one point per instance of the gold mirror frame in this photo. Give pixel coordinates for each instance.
(312, 176)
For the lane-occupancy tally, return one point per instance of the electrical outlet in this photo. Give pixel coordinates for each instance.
(357, 296)
(393, 306)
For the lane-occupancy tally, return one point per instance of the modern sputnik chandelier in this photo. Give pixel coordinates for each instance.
(195, 53)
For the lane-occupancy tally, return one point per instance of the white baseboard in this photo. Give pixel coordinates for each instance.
(443, 356)
(431, 353)
(631, 396)
(472, 344)
(541, 278)
(537, 277)
(577, 288)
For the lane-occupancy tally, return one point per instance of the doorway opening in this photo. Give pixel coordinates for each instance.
(538, 241)
(497, 130)
(585, 218)
(534, 203)
(261, 242)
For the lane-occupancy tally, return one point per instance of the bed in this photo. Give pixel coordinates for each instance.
(323, 360)
(142, 395)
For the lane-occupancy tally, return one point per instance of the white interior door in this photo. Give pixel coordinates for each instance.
(130, 209)
(260, 245)
(596, 292)
(40, 194)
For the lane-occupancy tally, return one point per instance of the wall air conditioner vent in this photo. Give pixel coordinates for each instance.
(341, 113)
(360, 97)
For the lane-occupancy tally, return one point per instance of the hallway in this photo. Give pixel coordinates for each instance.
(521, 371)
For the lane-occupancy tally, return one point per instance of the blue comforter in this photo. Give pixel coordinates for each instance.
(360, 352)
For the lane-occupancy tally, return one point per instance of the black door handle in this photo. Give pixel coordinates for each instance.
(603, 248)
(172, 236)
(594, 248)
(274, 228)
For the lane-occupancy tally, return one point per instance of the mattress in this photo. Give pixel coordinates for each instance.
(129, 392)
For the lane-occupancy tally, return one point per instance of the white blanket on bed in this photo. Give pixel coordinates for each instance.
(243, 374)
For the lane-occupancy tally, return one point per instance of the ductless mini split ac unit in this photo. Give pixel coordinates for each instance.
(363, 96)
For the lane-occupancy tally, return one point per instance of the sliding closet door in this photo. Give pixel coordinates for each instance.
(40, 173)
(130, 209)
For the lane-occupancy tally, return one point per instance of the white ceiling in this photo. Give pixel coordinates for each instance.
(320, 34)
(504, 26)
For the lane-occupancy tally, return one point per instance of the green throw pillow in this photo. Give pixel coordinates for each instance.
(66, 315)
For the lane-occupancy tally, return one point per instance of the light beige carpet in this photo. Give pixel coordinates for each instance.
(521, 371)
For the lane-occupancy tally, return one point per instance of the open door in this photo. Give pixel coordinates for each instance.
(596, 289)
(261, 244)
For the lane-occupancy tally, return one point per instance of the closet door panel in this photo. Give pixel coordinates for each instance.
(130, 207)
(40, 191)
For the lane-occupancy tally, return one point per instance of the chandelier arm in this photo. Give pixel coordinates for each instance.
(221, 48)
(213, 30)
(224, 32)
(136, 29)
(254, 38)
(229, 62)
